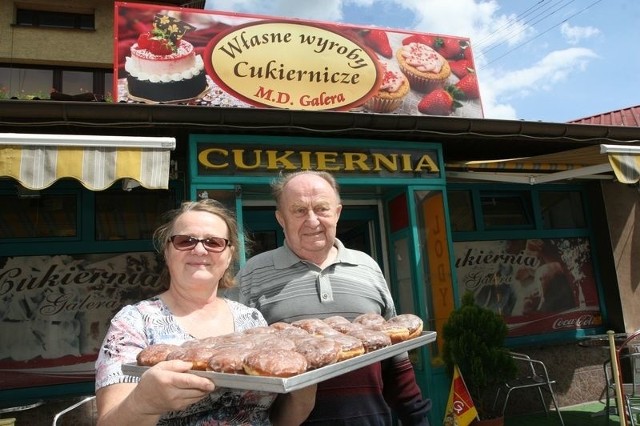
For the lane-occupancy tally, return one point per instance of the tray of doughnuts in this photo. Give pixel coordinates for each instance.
(285, 357)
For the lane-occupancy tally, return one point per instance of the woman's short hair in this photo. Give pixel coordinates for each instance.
(162, 234)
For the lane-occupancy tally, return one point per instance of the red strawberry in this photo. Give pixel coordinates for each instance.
(468, 85)
(461, 67)
(160, 46)
(143, 40)
(420, 38)
(438, 102)
(467, 53)
(378, 41)
(451, 48)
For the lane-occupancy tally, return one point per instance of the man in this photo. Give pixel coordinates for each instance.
(314, 276)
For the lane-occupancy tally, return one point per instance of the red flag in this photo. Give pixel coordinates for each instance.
(460, 408)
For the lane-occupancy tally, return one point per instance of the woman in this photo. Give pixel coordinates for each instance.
(199, 242)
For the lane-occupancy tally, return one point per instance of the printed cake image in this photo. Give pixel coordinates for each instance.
(163, 67)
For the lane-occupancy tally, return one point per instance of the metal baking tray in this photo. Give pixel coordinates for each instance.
(285, 385)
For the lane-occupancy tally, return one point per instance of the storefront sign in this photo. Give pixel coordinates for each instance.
(220, 159)
(174, 55)
(56, 311)
(539, 286)
(437, 254)
(285, 65)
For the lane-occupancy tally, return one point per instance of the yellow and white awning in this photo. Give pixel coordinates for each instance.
(587, 162)
(39, 160)
(624, 160)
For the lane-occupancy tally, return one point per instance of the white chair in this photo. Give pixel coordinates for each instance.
(72, 407)
(532, 374)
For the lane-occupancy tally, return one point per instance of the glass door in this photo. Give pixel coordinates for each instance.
(358, 228)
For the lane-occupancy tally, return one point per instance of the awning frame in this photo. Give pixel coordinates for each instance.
(597, 166)
(33, 139)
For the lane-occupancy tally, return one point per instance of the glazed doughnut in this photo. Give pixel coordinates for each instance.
(349, 346)
(397, 333)
(318, 351)
(311, 325)
(228, 360)
(347, 327)
(281, 325)
(336, 319)
(155, 353)
(412, 322)
(292, 332)
(371, 339)
(370, 320)
(275, 342)
(275, 363)
(197, 355)
(260, 330)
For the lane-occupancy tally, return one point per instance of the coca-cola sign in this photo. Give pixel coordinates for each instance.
(538, 285)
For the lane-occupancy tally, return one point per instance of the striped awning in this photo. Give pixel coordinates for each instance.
(39, 160)
(625, 161)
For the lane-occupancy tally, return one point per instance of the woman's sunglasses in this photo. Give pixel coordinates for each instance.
(187, 242)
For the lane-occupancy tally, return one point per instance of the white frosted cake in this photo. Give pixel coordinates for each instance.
(164, 68)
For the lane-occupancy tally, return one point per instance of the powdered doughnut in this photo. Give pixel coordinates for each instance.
(228, 360)
(197, 355)
(349, 346)
(371, 339)
(412, 322)
(370, 320)
(318, 351)
(275, 363)
(153, 354)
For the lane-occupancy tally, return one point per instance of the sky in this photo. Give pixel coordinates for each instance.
(536, 60)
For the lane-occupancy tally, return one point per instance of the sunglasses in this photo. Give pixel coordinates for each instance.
(187, 242)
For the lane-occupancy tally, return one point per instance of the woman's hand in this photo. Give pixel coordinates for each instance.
(291, 409)
(164, 387)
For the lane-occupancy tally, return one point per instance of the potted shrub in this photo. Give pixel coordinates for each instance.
(474, 339)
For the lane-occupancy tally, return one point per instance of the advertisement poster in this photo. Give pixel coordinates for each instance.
(538, 285)
(55, 311)
(207, 58)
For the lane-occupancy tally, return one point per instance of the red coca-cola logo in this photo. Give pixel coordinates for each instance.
(578, 322)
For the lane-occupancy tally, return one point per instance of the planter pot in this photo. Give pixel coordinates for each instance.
(498, 421)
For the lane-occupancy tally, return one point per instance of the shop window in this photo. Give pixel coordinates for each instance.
(562, 209)
(130, 215)
(505, 210)
(55, 19)
(32, 215)
(461, 211)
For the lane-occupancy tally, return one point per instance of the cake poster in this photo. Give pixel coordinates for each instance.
(219, 59)
(538, 285)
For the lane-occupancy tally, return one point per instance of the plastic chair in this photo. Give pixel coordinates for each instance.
(533, 375)
(72, 407)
